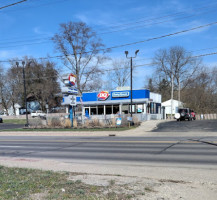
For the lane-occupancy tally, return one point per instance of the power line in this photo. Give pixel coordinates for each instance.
(124, 25)
(45, 4)
(161, 17)
(202, 55)
(133, 43)
(154, 23)
(48, 39)
(13, 4)
(107, 70)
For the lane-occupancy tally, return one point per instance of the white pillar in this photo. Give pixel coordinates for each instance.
(104, 110)
(120, 109)
(83, 110)
(144, 108)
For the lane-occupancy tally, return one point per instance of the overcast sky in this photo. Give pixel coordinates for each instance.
(26, 28)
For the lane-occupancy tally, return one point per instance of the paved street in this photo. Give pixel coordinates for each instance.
(188, 126)
(176, 165)
(140, 150)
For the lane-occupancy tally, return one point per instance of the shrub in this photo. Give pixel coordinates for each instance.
(67, 123)
(55, 122)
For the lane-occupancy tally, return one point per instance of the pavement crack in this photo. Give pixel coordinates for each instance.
(205, 142)
(165, 149)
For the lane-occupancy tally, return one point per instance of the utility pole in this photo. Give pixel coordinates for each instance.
(171, 92)
(179, 93)
(131, 83)
(24, 86)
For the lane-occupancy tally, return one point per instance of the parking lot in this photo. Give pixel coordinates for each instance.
(187, 126)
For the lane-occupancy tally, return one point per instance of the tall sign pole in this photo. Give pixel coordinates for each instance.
(69, 94)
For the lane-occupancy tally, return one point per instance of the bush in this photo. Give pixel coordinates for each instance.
(67, 123)
(35, 123)
(55, 122)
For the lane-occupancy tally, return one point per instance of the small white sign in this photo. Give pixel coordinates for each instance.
(118, 121)
(73, 101)
(120, 94)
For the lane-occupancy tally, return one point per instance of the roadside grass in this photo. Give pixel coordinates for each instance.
(69, 129)
(15, 121)
(30, 184)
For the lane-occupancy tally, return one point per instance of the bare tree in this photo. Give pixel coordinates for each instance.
(120, 74)
(199, 93)
(175, 65)
(14, 79)
(81, 50)
(4, 97)
(42, 82)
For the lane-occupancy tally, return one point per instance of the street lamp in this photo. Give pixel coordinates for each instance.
(131, 82)
(24, 85)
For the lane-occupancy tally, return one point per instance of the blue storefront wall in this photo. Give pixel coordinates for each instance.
(137, 94)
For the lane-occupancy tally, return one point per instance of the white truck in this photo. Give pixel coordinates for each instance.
(38, 113)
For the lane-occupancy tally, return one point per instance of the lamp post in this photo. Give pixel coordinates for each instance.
(47, 108)
(24, 86)
(131, 83)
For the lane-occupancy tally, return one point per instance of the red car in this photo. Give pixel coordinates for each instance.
(193, 115)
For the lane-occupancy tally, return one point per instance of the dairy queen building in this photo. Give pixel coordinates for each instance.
(108, 104)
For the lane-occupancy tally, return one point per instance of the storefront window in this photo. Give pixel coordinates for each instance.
(125, 109)
(87, 114)
(93, 111)
(100, 110)
(108, 110)
(115, 109)
(133, 108)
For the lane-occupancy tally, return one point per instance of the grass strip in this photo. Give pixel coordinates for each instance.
(15, 121)
(31, 184)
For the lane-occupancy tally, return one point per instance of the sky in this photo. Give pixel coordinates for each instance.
(26, 28)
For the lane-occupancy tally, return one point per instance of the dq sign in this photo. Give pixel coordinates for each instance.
(102, 96)
(72, 79)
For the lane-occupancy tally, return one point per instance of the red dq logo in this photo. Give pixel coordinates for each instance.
(102, 96)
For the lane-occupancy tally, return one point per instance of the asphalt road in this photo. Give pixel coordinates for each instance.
(5, 126)
(142, 150)
(188, 126)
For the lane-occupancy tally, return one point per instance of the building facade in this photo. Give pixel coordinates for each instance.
(145, 105)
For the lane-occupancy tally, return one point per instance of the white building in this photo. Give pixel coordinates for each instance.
(167, 104)
(17, 110)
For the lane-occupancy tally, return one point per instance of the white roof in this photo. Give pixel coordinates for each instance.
(168, 102)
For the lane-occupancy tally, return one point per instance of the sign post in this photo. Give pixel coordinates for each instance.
(69, 94)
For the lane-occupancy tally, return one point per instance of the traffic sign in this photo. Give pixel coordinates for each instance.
(69, 100)
(73, 100)
(72, 79)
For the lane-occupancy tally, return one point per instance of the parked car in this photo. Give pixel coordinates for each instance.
(1, 120)
(23, 111)
(38, 113)
(193, 114)
(183, 114)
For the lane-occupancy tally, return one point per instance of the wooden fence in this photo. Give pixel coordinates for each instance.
(206, 116)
